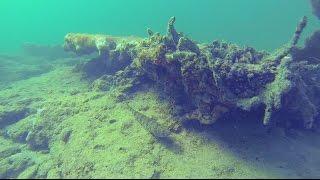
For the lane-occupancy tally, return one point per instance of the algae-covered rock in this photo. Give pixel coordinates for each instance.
(86, 44)
(29, 173)
(12, 166)
(19, 130)
(12, 114)
(186, 44)
(7, 152)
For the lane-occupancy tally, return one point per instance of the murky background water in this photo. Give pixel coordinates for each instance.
(61, 116)
(263, 24)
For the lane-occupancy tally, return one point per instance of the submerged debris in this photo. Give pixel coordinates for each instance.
(150, 124)
(211, 80)
(302, 24)
(159, 132)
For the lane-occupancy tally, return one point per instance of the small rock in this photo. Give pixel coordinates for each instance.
(66, 136)
(112, 121)
(156, 175)
(74, 92)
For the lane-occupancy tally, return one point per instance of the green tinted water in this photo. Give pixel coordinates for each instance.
(54, 123)
(264, 24)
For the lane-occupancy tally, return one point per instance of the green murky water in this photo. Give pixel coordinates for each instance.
(263, 24)
(63, 116)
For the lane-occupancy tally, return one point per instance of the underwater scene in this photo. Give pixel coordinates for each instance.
(158, 89)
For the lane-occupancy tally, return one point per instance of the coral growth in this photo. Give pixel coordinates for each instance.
(210, 80)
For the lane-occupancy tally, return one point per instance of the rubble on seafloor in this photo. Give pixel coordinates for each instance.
(209, 81)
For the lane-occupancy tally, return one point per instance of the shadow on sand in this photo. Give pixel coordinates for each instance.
(170, 144)
(295, 153)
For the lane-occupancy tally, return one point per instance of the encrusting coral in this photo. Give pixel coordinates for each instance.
(210, 80)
